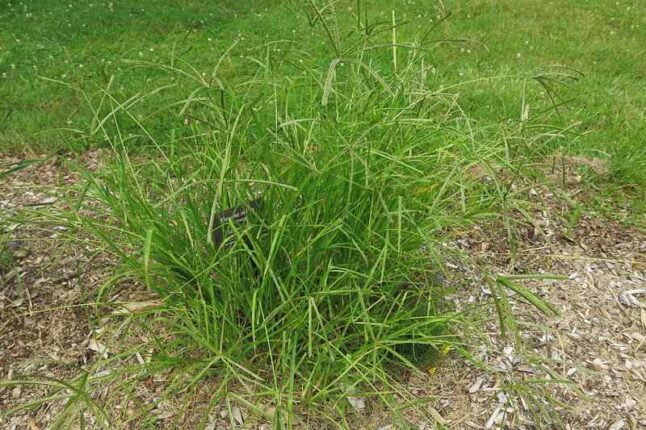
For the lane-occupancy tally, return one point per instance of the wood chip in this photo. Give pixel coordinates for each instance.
(493, 419)
(628, 298)
(476, 385)
(135, 307)
(617, 425)
(358, 403)
(237, 415)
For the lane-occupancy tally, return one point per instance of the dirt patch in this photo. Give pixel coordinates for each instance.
(44, 324)
(591, 358)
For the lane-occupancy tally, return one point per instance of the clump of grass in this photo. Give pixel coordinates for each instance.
(358, 166)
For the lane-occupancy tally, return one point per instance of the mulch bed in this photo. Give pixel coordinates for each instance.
(582, 369)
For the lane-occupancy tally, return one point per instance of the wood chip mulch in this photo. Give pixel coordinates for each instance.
(582, 369)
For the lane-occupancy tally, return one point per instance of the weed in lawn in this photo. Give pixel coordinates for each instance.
(332, 284)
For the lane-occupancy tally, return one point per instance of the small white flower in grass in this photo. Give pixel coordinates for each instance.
(518, 55)
(63, 76)
(141, 54)
(80, 66)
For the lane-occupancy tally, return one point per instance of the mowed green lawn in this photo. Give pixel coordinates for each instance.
(492, 48)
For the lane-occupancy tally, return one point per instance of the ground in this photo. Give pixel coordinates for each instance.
(571, 66)
(585, 368)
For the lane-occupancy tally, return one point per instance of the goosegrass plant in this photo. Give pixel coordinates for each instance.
(333, 283)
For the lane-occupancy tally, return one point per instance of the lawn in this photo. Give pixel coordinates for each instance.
(286, 178)
(83, 44)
